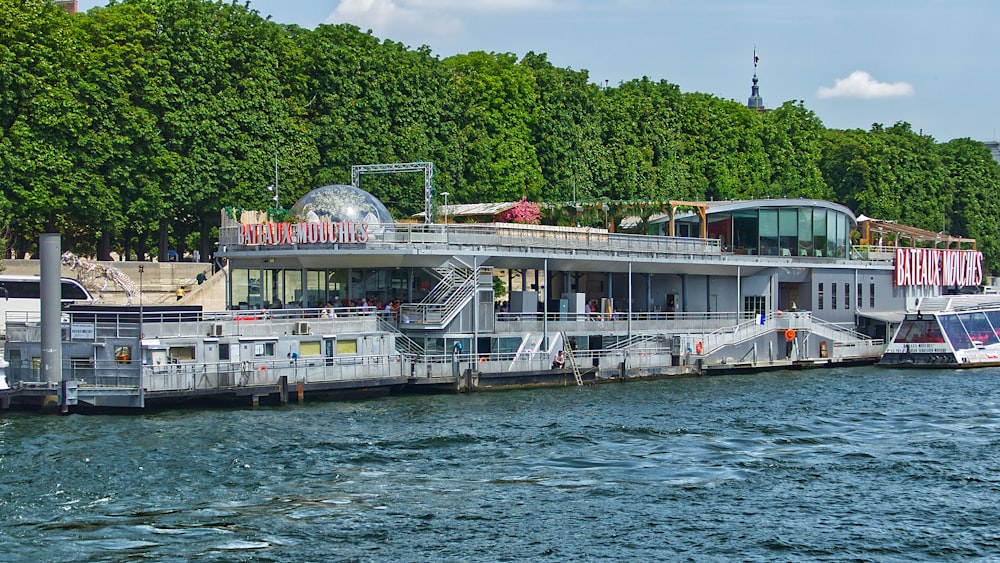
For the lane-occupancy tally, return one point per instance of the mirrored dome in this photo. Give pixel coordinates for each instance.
(341, 203)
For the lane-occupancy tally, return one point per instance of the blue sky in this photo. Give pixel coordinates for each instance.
(933, 64)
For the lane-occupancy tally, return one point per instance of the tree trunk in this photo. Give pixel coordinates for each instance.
(104, 247)
(163, 241)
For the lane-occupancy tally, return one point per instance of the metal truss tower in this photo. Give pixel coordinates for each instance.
(426, 167)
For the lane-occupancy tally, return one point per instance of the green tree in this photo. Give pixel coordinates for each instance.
(495, 99)
(973, 178)
(374, 103)
(792, 136)
(41, 122)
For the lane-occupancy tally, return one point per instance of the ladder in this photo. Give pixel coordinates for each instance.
(571, 358)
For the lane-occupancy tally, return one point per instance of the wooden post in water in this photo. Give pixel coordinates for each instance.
(302, 393)
(283, 389)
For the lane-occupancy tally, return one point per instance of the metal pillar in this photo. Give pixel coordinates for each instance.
(629, 300)
(545, 308)
(50, 251)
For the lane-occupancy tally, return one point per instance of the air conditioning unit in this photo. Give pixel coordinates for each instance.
(216, 330)
(301, 328)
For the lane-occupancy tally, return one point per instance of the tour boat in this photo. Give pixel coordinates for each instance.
(948, 331)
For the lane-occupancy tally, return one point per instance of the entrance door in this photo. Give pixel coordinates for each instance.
(788, 297)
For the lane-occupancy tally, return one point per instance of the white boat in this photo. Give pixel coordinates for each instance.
(948, 331)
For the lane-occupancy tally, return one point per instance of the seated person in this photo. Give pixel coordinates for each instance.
(559, 361)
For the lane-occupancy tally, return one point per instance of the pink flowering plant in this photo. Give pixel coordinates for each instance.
(524, 212)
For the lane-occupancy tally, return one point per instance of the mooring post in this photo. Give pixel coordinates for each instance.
(302, 393)
(283, 389)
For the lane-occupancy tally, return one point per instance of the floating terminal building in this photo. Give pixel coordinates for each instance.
(343, 300)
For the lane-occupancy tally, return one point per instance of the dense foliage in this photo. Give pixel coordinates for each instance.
(129, 127)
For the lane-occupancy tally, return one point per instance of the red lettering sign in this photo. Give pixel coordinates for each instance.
(936, 267)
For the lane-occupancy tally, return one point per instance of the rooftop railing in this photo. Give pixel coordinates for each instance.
(506, 237)
(553, 240)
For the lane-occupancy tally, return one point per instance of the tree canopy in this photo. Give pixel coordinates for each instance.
(128, 127)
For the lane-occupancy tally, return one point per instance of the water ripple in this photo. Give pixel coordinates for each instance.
(840, 464)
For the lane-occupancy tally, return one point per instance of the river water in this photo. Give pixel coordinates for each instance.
(862, 464)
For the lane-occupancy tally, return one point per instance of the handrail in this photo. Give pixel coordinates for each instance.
(511, 237)
(841, 329)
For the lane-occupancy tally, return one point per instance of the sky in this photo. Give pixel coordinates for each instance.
(930, 63)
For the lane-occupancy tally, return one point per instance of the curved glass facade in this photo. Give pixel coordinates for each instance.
(782, 231)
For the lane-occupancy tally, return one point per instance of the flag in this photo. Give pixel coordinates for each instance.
(756, 59)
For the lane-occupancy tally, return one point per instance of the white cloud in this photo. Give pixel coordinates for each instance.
(860, 84)
(436, 16)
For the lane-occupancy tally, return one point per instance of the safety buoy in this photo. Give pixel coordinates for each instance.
(698, 348)
(262, 368)
(789, 335)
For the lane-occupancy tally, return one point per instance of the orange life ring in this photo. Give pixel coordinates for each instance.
(789, 335)
(698, 348)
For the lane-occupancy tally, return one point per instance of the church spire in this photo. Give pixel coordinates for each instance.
(755, 101)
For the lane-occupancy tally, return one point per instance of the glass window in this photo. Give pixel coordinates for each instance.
(180, 353)
(847, 296)
(275, 292)
(310, 348)
(315, 294)
(979, 328)
(336, 286)
(955, 331)
(397, 285)
(356, 287)
(994, 318)
(819, 297)
(224, 352)
(123, 354)
(843, 235)
(833, 296)
(769, 232)
(919, 331)
(831, 234)
(745, 232)
(507, 345)
(755, 304)
(805, 232)
(263, 349)
(871, 295)
(788, 231)
(819, 231)
(292, 285)
(347, 347)
(73, 291)
(720, 226)
(861, 300)
(422, 284)
(246, 289)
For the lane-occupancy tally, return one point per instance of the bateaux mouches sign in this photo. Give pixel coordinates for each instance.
(934, 266)
(269, 234)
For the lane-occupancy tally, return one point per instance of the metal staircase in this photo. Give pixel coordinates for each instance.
(404, 344)
(456, 289)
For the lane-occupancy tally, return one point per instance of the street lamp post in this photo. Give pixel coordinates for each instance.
(445, 194)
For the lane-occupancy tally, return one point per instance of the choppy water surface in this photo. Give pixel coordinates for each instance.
(839, 464)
